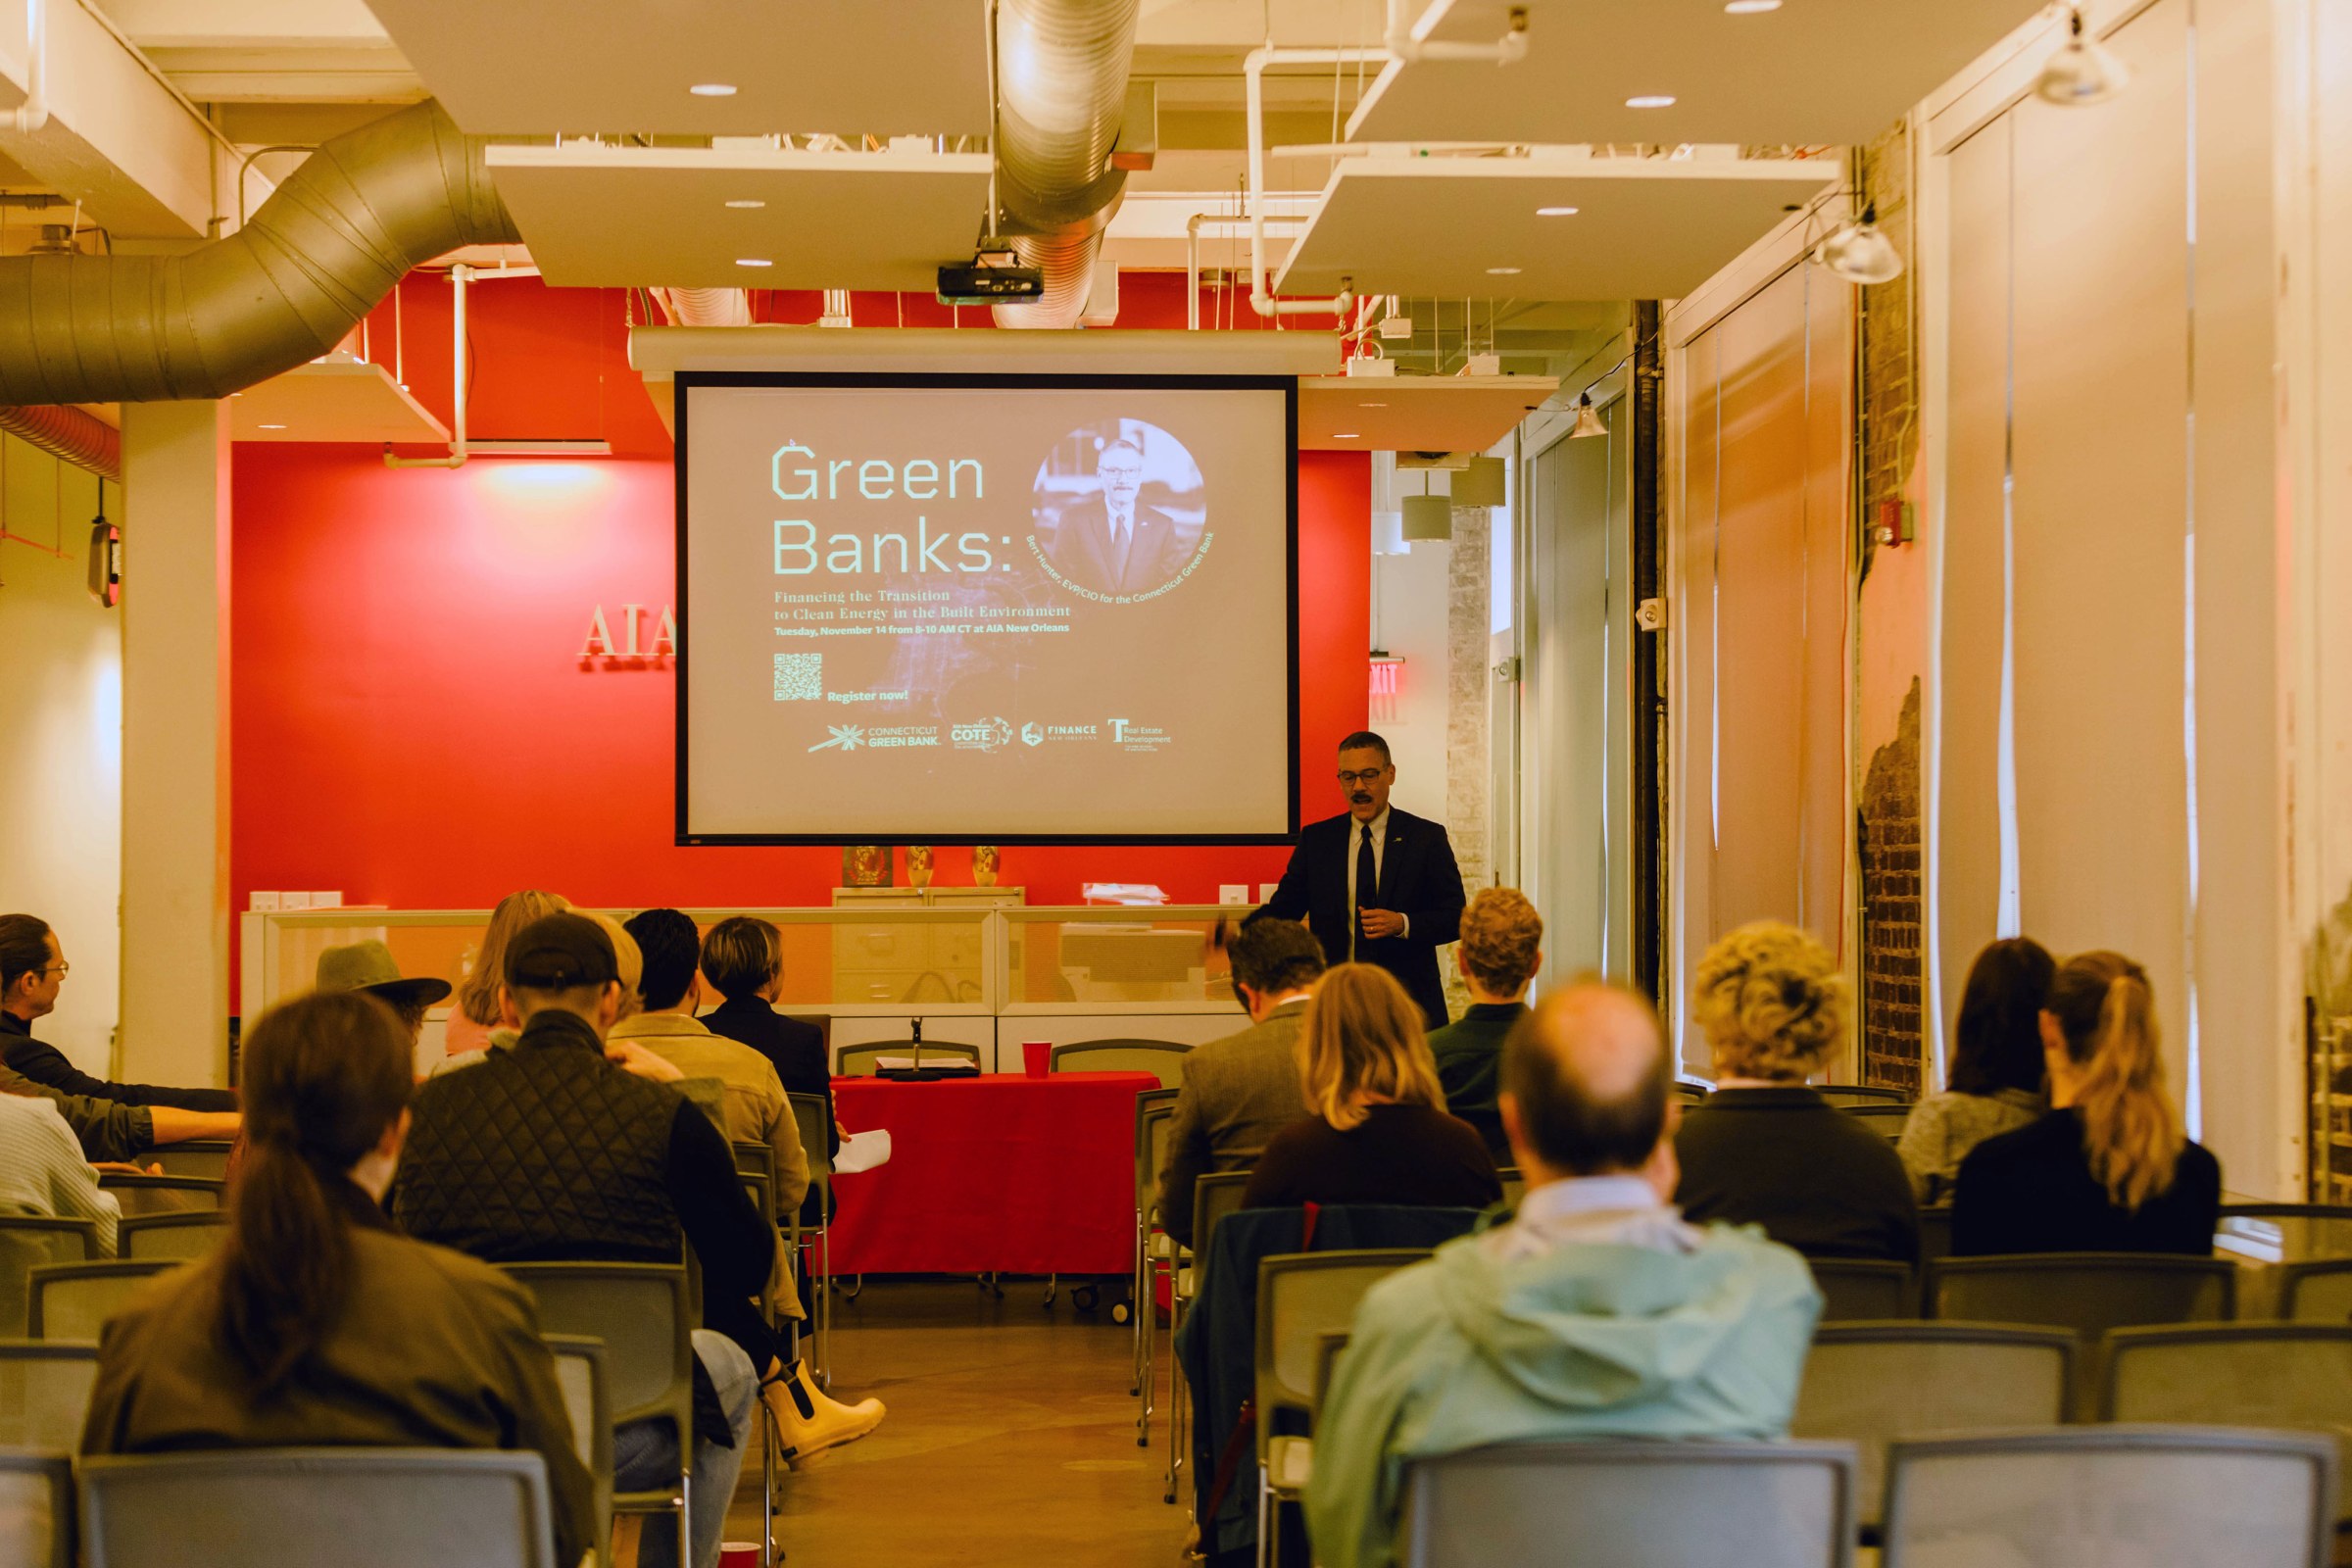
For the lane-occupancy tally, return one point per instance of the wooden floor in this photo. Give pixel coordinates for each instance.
(1010, 1440)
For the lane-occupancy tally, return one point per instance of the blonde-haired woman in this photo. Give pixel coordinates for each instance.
(2110, 1169)
(475, 1017)
(1765, 1150)
(1376, 1129)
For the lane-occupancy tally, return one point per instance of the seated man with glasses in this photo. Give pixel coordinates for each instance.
(1376, 885)
(32, 970)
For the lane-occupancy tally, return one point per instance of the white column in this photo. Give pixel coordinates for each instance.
(175, 743)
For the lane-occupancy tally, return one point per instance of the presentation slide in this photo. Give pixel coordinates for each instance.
(986, 609)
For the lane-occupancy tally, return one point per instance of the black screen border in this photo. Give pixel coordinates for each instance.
(685, 381)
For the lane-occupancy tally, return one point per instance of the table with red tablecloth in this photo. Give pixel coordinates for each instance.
(1000, 1173)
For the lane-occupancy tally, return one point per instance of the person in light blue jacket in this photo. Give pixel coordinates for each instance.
(1597, 1312)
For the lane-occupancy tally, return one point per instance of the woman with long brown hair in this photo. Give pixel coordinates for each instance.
(2110, 1169)
(315, 1323)
(475, 1017)
(1376, 1129)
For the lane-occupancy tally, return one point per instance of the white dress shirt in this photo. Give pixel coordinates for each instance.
(1599, 1210)
(1378, 827)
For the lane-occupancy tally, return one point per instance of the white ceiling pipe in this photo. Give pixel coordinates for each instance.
(1192, 253)
(459, 275)
(1403, 46)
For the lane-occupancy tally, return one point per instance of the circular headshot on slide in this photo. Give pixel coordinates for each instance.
(1119, 511)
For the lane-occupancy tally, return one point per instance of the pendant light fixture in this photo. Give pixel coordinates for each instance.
(1587, 420)
(1428, 519)
(2082, 70)
(1859, 251)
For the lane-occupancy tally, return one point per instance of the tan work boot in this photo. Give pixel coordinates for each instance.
(811, 1422)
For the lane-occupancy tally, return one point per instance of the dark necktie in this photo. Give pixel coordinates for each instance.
(1367, 883)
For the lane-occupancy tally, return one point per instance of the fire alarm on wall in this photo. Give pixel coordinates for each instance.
(105, 562)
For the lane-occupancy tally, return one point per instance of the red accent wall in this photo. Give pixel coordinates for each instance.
(411, 724)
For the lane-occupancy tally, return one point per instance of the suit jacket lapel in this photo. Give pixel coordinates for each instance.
(1389, 855)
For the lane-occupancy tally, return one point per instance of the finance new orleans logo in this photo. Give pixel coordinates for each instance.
(845, 737)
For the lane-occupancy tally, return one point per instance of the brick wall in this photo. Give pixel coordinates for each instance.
(1892, 1043)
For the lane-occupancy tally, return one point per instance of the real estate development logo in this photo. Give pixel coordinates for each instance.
(845, 737)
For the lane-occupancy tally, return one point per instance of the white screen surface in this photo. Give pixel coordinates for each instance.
(1000, 613)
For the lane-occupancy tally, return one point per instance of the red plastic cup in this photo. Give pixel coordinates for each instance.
(738, 1555)
(1037, 1055)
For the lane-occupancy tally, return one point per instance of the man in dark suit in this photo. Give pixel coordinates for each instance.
(1110, 544)
(1377, 885)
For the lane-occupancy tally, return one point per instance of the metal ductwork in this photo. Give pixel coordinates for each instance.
(1061, 92)
(79, 437)
(321, 253)
(706, 307)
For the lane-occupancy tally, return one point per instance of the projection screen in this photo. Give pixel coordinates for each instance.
(961, 608)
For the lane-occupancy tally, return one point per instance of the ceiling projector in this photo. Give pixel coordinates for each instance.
(993, 276)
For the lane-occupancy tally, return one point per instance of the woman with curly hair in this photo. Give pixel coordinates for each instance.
(2110, 1169)
(1765, 1150)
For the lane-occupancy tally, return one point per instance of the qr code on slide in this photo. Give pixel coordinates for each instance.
(799, 677)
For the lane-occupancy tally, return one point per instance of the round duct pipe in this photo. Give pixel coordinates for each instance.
(1061, 93)
(81, 438)
(321, 253)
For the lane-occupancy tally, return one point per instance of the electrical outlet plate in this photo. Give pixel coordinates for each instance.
(1265, 892)
(1233, 893)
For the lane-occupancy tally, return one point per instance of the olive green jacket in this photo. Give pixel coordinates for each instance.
(434, 1350)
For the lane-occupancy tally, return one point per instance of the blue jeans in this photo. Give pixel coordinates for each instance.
(645, 1456)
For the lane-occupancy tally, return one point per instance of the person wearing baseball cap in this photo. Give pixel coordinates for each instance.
(550, 1149)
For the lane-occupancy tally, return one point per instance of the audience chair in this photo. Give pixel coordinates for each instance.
(867, 1058)
(1888, 1119)
(643, 1313)
(823, 1023)
(810, 1117)
(1864, 1289)
(754, 1159)
(74, 1300)
(2087, 1292)
(1861, 1095)
(318, 1508)
(2286, 1376)
(1329, 1348)
(27, 1242)
(1514, 1185)
(1152, 1250)
(36, 1498)
(1300, 1298)
(198, 1157)
(177, 1237)
(1214, 1197)
(1866, 1383)
(1633, 1505)
(1163, 1058)
(2301, 1233)
(580, 1374)
(2317, 1293)
(1689, 1093)
(162, 1194)
(2101, 1497)
(1935, 1232)
(45, 1392)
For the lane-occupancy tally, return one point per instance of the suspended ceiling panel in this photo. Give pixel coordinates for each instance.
(1810, 72)
(1463, 227)
(606, 217)
(1415, 414)
(916, 68)
(337, 398)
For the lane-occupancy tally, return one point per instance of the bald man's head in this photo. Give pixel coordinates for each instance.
(1586, 1072)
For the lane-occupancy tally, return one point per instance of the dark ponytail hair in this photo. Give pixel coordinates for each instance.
(1997, 1044)
(325, 1074)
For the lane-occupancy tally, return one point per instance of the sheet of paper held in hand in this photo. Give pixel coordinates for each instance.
(863, 1152)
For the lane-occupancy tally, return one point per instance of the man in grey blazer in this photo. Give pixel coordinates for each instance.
(1239, 1090)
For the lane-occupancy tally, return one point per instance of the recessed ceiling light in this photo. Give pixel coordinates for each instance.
(1503, 272)
(274, 427)
(1652, 100)
(746, 205)
(1749, 8)
(752, 261)
(1346, 435)
(713, 90)
(1371, 405)
(1555, 212)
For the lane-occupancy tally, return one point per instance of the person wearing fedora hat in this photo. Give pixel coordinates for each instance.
(371, 968)
(33, 969)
